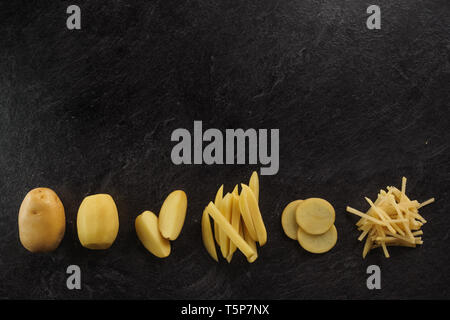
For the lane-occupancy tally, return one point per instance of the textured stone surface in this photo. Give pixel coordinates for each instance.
(92, 111)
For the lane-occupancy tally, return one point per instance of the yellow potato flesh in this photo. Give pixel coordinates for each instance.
(235, 222)
(315, 215)
(97, 222)
(207, 236)
(288, 220)
(226, 227)
(147, 230)
(172, 214)
(42, 221)
(317, 243)
(246, 216)
(217, 200)
(225, 208)
(252, 245)
(255, 213)
(254, 184)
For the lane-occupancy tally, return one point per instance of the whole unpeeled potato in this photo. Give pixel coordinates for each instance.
(42, 221)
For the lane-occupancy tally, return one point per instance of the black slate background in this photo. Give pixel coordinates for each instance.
(92, 111)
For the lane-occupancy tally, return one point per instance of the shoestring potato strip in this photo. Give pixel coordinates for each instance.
(392, 220)
(238, 223)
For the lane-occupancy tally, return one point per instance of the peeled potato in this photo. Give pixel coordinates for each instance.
(147, 230)
(317, 243)
(288, 220)
(172, 214)
(97, 222)
(315, 215)
(42, 221)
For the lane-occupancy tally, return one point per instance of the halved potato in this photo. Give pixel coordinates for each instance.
(317, 243)
(288, 220)
(172, 214)
(315, 216)
(147, 230)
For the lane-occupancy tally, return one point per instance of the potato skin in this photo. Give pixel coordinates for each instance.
(42, 221)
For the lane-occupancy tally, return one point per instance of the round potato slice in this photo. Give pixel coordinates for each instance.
(317, 243)
(288, 219)
(315, 215)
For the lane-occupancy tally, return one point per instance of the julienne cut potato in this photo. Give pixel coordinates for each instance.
(148, 232)
(311, 223)
(97, 222)
(172, 214)
(238, 223)
(155, 232)
(392, 220)
(42, 222)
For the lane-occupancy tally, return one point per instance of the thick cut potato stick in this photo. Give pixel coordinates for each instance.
(207, 236)
(225, 208)
(252, 206)
(235, 222)
(226, 227)
(247, 217)
(252, 244)
(254, 185)
(217, 200)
